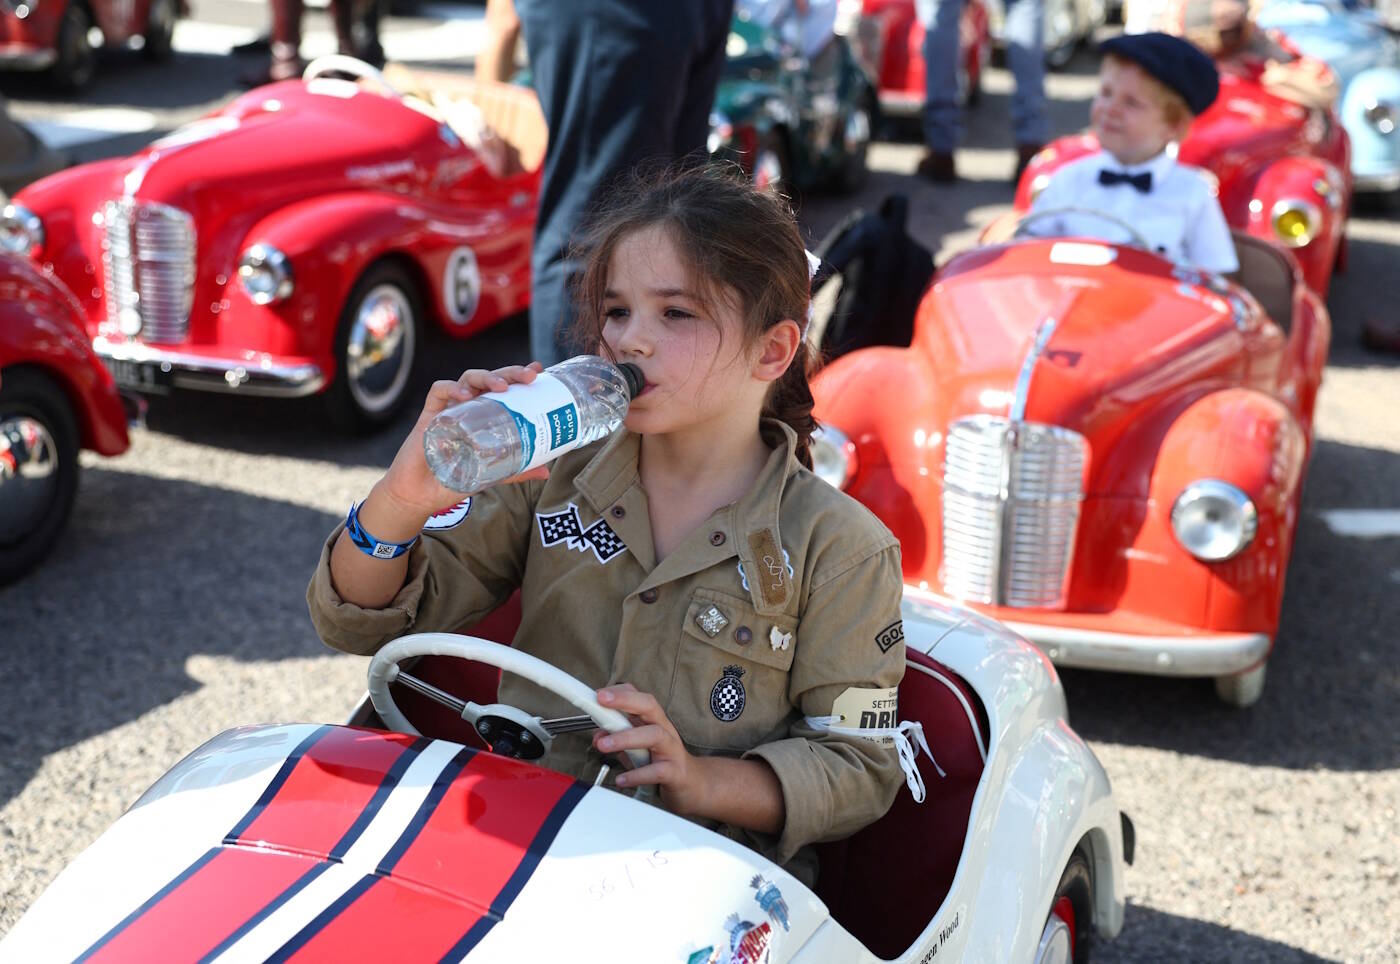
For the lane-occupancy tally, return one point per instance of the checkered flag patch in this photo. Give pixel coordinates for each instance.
(727, 698)
(564, 526)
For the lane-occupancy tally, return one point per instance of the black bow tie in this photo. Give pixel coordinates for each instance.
(1143, 181)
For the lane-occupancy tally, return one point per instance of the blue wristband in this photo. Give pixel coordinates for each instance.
(368, 544)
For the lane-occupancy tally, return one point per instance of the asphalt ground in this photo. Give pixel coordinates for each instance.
(174, 606)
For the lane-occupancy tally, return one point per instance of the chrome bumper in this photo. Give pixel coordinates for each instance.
(256, 375)
(1376, 183)
(1206, 655)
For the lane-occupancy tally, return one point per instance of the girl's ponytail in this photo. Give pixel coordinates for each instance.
(790, 401)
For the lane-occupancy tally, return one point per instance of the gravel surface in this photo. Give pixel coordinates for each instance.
(174, 608)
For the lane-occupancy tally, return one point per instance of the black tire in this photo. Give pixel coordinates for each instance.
(371, 401)
(1076, 891)
(77, 60)
(160, 30)
(37, 509)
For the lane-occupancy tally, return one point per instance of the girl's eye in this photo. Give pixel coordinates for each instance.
(679, 314)
(616, 311)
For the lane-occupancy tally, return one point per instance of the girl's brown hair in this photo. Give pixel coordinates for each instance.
(729, 234)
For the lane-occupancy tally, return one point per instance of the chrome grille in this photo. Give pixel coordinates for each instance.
(1011, 495)
(148, 259)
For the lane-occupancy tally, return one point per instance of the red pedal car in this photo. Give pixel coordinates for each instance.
(1284, 172)
(55, 398)
(56, 35)
(299, 240)
(1102, 450)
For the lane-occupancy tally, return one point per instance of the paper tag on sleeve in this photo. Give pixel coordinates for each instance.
(868, 709)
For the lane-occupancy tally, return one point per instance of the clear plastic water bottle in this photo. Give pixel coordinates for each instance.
(499, 434)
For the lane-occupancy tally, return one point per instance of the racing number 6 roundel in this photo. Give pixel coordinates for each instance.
(461, 285)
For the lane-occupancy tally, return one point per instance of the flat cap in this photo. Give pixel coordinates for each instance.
(1178, 64)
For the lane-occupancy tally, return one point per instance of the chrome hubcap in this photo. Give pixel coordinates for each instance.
(1055, 945)
(379, 352)
(857, 131)
(766, 169)
(28, 474)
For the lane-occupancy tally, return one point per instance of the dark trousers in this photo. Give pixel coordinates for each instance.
(620, 82)
(356, 32)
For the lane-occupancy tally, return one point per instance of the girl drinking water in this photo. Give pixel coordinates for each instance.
(690, 566)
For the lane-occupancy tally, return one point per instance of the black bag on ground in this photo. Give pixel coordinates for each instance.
(883, 273)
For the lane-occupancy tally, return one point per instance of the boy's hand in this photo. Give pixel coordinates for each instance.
(678, 774)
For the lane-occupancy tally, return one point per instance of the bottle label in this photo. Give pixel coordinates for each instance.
(546, 416)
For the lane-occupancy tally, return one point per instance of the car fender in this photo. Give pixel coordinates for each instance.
(1372, 150)
(41, 327)
(1315, 182)
(1252, 441)
(1032, 747)
(330, 241)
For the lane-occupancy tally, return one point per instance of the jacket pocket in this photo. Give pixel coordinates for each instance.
(730, 690)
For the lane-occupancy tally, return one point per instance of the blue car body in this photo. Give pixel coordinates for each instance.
(1366, 59)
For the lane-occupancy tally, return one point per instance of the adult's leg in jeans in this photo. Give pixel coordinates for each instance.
(693, 123)
(1025, 56)
(286, 39)
(942, 112)
(588, 62)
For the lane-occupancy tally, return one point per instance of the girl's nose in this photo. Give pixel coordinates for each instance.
(632, 339)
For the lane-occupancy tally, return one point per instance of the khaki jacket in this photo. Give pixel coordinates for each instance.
(736, 646)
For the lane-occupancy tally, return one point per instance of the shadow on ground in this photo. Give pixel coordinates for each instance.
(1149, 935)
(106, 623)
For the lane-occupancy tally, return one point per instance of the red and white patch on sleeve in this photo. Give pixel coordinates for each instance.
(449, 517)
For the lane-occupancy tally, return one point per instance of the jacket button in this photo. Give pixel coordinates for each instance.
(618, 512)
(649, 595)
(743, 635)
(716, 538)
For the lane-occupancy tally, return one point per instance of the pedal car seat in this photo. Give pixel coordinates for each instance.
(884, 883)
(1267, 274)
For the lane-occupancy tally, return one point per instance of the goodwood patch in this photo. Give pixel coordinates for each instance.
(564, 526)
(450, 517)
(891, 634)
(727, 697)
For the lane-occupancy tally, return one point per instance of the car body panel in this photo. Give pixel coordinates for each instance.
(319, 836)
(1169, 376)
(1366, 60)
(1262, 151)
(337, 177)
(896, 52)
(41, 326)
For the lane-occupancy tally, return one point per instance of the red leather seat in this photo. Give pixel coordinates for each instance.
(884, 883)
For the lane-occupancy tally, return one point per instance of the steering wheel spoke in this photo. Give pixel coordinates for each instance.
(1135, 237)
(509, 728)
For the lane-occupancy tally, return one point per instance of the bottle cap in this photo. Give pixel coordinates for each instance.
(636, 381)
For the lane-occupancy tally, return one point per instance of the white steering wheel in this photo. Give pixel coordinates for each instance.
(525, 733)
(1135, 237)
(342, 64)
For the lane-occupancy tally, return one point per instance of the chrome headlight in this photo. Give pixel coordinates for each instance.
(265, 274)
(833, 456)
(21, 231)
(1214, 520)
(721, 130)
(1381, 115)
(1296, 222)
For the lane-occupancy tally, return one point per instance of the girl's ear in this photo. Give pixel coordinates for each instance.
(776, 349)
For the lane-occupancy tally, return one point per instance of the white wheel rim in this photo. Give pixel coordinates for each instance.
(379, 350)
(29, 475)
(1056, 946)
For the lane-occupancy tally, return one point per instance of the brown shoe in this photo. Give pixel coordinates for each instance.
(938, 167)
(1378, 337)
(1025, 153)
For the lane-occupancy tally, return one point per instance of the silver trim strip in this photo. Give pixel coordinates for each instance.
(1043, 331)
(1387, 181)
(1205, 655)
(245, 376)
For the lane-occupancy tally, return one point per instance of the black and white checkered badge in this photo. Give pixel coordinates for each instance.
(564, 526)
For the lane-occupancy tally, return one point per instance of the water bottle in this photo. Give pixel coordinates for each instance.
(499, 434)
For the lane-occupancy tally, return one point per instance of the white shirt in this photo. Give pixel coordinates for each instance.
(1179, 217)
